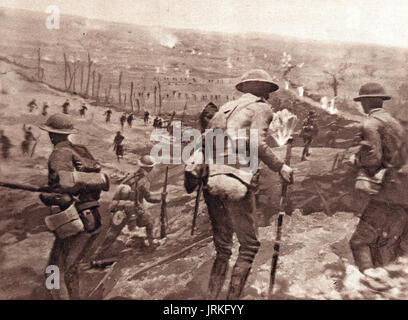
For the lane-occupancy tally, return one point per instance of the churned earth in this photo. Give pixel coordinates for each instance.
(315, 260)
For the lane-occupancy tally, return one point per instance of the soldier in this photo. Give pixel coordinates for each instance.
(206, 115)
(28, 139)
(65, 107)
(129, 208)
(108, 114)
(146, 117)
(383, 150)
(130, 120)
(44, 109)
(118, 146)
(332, 134)
(83, 110)
(75, 198)
(5, 145)
(308, 132)
(123, 120)
(156, 122)
(32, 105)
(232, 212)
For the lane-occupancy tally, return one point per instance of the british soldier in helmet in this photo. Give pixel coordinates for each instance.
(380, 233)
(229, 191)
(74, 177)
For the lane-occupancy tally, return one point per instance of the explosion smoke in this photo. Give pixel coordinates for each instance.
(283, 126)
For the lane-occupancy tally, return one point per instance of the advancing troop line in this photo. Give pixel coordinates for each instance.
(75, 183)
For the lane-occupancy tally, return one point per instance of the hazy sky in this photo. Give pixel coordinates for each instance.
(372, 21)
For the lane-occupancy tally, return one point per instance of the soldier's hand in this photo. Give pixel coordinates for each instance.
(287, 173)
(352, 161)
(164, 195)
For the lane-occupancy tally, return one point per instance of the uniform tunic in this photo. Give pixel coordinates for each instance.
(382, 224)
(67, 253)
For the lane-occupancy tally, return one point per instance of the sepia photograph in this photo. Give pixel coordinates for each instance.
(171, 150)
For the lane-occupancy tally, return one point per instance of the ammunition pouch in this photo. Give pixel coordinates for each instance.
(83, 181)
(89, 214)
(370, 185)
(65, 223)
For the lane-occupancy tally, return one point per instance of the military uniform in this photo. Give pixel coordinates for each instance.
(44, 110)
(32, 105)
(28, 139)
(118, 146)
(309, 131)
(382, 228)
(123, 120)
(146, 117)
(108, 115)
(130, 120)
(229, 215)
(65, 107)
(332, 134)
(5, 146)
(128, 209)
(382, 224)
(83, 111)
(67, 252)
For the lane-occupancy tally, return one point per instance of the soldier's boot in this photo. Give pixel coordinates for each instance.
(238, 281)
(217, 278)
(363, 257)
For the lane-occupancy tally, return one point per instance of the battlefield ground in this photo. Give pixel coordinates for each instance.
(192, 68)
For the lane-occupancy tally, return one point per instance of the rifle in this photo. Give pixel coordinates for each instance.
(197, 202)
(35, 145)
(25, 187)
(51, 198)
(163, 215)
(283, 205)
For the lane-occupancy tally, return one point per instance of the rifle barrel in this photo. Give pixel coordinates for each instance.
(197, 203)
(163, 207)
(19, 186)
(283, 204)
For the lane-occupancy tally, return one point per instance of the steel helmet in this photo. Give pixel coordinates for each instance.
(254, 79)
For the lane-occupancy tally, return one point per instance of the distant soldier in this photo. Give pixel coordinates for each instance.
(308, 132)
(75, 199)
(123, 120)
(229, 189)
(28, 139)
(65, 107)
(5, 145)
(118, 146)
(160, 123)
(108, 114)
(146, 117)
(44, 109)
(128, 207)
(32, 105)
(83, 110)
(156, 122)
(130, 120)
(332, 133)
(381, 235)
